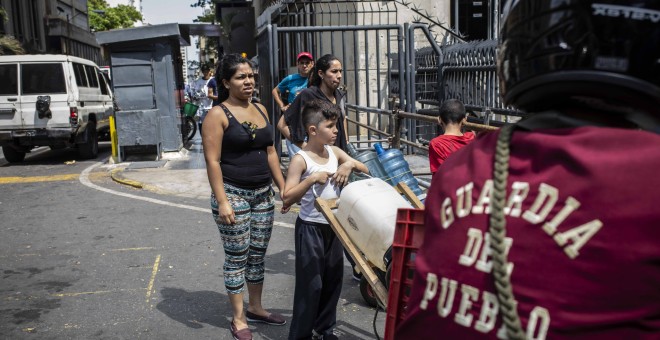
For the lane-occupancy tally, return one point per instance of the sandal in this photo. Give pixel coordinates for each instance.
(243, 334)
(271, 319)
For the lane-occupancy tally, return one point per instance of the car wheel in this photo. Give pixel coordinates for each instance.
(12, 155)
(89, 149)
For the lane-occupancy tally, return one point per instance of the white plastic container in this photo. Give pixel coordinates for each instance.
(367, 211)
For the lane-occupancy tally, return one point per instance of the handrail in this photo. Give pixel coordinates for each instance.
(398, 116)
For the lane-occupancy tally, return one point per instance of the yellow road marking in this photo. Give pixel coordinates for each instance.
(154, 271)
(52, 178)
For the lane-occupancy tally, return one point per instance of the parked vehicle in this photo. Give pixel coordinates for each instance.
(189, 127)
(192, 114)
(52, 100)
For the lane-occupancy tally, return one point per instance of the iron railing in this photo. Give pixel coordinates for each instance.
(417, 79)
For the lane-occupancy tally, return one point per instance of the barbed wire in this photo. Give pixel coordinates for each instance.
(431, 20)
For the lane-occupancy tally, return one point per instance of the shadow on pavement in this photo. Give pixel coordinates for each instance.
(194, 309)
(283, 262)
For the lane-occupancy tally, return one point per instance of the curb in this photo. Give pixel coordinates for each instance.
(116, 175)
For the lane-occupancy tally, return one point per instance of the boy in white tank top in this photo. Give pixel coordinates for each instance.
(319, 170)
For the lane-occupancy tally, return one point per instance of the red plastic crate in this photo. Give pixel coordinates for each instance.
(408, 237)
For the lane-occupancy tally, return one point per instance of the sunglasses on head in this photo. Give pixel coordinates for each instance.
(251, 129)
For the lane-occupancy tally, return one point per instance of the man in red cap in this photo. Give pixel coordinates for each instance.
(293, 84)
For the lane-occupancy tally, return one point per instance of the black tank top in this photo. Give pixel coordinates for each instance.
(244, 159)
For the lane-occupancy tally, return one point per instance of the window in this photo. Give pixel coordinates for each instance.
(79, 72)
(103, 83)
(91, 76)
(42, 79)
(471, 18)
(9, 83)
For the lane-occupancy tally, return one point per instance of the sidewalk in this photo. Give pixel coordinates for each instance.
(184, 173)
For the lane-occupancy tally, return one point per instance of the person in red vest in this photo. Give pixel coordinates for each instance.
(549, 228)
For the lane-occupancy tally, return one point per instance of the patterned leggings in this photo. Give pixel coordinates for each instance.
(246, 241)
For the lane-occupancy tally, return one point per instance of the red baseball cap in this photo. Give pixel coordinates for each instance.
(304, 55)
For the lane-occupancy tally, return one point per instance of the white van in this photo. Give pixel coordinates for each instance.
(52, 100)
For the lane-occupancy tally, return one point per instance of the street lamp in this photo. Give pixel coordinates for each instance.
(69, 19)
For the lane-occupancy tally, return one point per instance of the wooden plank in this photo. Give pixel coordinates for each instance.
(379, 289)
(404, 189)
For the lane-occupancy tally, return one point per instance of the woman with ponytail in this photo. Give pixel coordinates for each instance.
(325, 78)
(241, 163)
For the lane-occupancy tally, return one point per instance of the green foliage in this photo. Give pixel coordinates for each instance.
(121, 16)
(203, 3)
(10, 46)
(210, 16)
(3, 15)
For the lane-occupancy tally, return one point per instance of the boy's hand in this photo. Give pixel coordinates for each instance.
(343, 171)
(285, 208)
(321, 177)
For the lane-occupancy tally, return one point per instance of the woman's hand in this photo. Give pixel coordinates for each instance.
(226, 213)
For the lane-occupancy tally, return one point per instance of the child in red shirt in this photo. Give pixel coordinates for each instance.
(452, 116)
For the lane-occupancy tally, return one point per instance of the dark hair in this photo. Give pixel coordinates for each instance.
(318, 110)
(227, 67)
(452, 111)
(323, 64)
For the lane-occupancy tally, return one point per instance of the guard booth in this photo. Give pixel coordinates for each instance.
(147, 77)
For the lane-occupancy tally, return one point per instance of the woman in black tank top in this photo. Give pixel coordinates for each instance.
(241, 163)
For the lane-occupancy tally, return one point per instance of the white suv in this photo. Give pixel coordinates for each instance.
(52, 100)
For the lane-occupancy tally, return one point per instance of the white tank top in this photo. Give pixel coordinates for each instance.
(326, 191)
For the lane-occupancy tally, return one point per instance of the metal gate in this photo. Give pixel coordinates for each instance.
(370, 55)
(386, 67)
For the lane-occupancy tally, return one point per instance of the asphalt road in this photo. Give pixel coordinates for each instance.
(81, 257)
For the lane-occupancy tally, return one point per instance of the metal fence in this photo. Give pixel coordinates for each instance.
(385, 70)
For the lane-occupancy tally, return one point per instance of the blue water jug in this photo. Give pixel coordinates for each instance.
(370, 159)
(397, 168)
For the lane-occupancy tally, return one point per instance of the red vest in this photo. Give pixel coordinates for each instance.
(583, 225)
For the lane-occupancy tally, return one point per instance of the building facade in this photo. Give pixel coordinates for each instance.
(51, 26)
